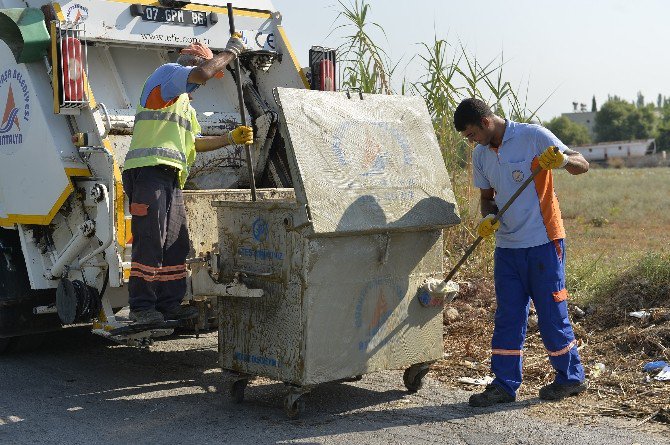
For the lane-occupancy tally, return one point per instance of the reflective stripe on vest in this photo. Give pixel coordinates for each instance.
(156, 115)
(165, 137)
(156, 151)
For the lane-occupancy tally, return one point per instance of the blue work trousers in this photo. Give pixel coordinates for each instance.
(536, 273)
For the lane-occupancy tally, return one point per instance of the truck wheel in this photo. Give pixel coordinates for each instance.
(4, 344)
(17, 299)
(25, 343)
(14, 282)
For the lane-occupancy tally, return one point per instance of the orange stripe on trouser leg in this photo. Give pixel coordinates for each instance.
(565, 350)
(551, 213)
(506, 352)
(162, 277)
(144, 267)
(179, 267)
(560, 295)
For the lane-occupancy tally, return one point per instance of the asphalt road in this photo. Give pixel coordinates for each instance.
(80, 388)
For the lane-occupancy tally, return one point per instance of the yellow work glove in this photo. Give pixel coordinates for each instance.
(552, 158)
(241, 135)
(486, 227)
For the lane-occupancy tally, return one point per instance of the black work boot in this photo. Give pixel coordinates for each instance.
(181, 313)
(492, 394)
(558, 391)
(146, 316)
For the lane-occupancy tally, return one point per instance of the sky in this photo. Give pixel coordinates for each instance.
(560, 51)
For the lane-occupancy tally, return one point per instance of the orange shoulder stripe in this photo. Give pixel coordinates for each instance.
(551, 213)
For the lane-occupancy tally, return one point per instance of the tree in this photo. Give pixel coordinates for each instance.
(640, 99)
(571, 133)
(594, 107)
(619, 120)
(663, 135)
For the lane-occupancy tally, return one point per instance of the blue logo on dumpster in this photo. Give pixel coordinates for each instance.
(377, 302)
(259, 229)
(375, 157)
(256, 360)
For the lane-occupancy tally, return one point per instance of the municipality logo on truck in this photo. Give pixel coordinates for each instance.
(14, 92)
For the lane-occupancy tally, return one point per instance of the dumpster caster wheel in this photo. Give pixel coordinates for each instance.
(356, 378)
(413, 377)
(294, 407)
(237, 390)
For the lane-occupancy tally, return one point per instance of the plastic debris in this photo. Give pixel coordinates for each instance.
(654, 366)
(664, 375)
(642, 315)
(452, 315)
(597, 369)
(483, 381)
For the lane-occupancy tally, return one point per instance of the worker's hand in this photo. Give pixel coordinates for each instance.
(486, 227)
(552, 158)
(242, 135)
(235, 44)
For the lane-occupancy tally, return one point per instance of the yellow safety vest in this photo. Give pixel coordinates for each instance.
(165, 137)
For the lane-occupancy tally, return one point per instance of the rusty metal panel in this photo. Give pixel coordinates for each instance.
(202, 219)
(261, 336)
(366, 165)
(333, 307)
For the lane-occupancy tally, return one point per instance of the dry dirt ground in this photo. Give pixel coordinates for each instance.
(619, 389)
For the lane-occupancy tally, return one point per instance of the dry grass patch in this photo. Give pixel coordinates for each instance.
(618, 262)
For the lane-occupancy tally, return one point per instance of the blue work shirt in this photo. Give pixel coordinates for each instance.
(165, 85)
(534, 218)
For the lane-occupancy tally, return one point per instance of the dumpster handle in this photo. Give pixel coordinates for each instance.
(256, 274)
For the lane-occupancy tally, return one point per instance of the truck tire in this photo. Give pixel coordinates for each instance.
(17, 299)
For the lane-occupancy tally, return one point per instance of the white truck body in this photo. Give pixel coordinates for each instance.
(66, 201)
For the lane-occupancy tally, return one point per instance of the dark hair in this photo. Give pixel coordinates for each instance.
(470, 112)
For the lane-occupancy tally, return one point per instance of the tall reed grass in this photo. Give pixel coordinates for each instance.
(450, 74)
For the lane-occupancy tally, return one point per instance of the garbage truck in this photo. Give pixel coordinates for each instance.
(307, 251)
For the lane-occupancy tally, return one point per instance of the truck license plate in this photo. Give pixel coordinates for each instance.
(175, 16)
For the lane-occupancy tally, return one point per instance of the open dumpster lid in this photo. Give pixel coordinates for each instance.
(366, 165)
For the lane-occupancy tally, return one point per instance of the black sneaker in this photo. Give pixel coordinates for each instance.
(558, 391)
(492, 394)
(181, 313)
(146, 316)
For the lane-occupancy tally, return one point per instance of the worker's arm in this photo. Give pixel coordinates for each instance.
(571, 160)
(486, 227)
(239, 136)
(209, 143)
(201, 74)
(487, 204)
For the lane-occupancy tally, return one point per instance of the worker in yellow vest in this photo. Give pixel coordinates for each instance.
(164, 144)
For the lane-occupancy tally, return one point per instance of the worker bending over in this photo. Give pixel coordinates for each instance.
(529, 260)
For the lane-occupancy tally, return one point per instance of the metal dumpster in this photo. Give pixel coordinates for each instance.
(339, 265)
